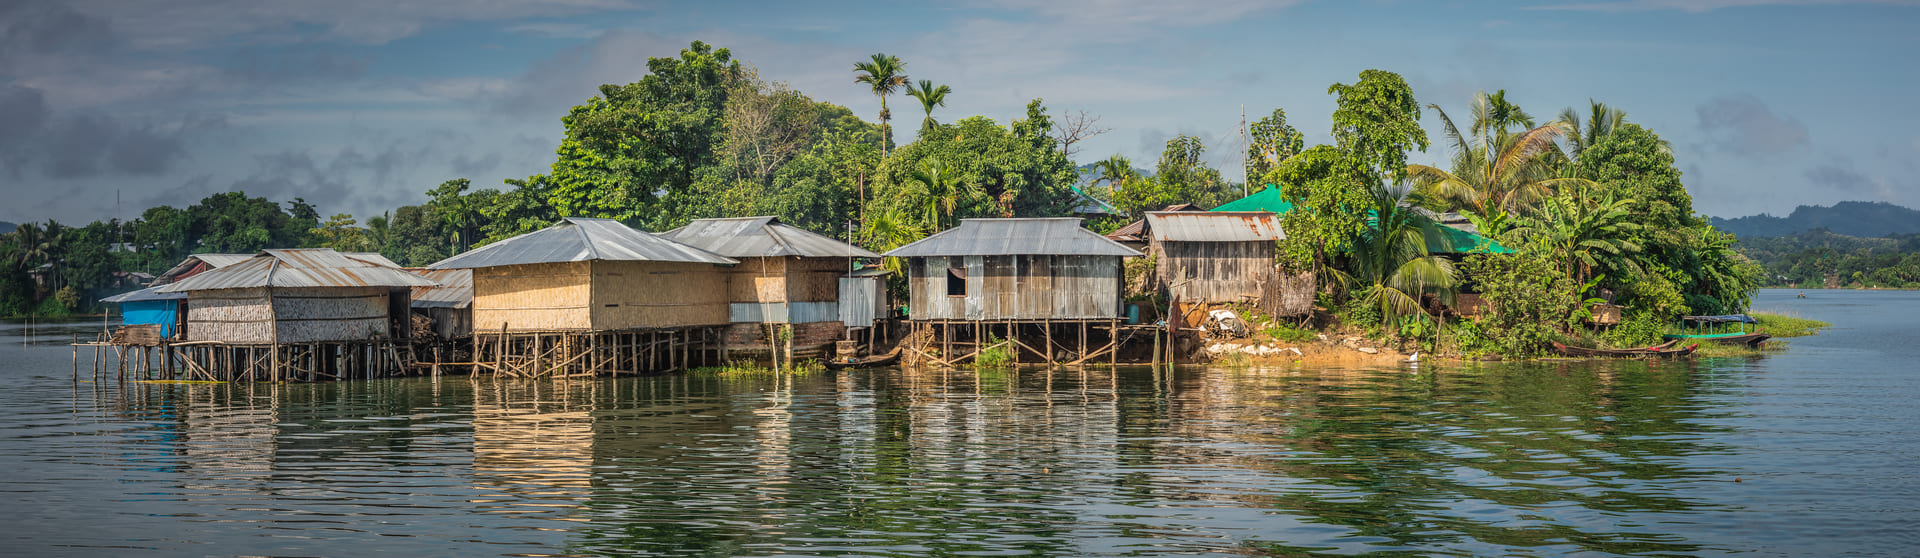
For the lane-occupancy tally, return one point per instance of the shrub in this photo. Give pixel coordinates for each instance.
(1532, 302)
(998, 354)
(52, 308)
(1638, 330)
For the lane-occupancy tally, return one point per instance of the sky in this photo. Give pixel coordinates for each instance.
(111, 106)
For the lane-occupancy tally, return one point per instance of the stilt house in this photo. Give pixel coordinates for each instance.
(1014, 269)
(297, 296)
(583, 275)
(787, 275)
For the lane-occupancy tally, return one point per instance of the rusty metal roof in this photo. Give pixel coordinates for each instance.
(1000, 237)
(760, 237)
(373, 258)
(455, 289)
(215, 261)
(579, 239)
(1184, 226)
(303, 267)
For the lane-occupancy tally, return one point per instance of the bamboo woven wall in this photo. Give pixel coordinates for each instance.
(536, 297)
(815, 279)
(330, 314)
(229, 316)
(634, 295)
(1025, 287)
(758, 280)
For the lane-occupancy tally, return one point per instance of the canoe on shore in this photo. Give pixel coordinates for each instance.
(1663, 350)
(866, 361)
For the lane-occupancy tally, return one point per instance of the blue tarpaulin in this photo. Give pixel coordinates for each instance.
(162, 312)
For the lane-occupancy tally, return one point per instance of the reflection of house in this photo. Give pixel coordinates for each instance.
(297, 296)
(786, 275)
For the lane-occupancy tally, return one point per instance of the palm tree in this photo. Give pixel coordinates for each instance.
(883, 73)
(887, 230)
(941, 189)
(1116, 170)
(929, 97)
(1496, 172)
(1601, 122)
(1392, 267)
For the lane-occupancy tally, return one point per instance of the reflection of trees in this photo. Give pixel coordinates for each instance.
(1514, 455)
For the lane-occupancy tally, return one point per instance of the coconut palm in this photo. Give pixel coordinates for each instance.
(940, 189)
(1503, 166)
(929, 97)
(1116, 170)
(1392, 267)
(1600, 122)
(884, 74)
(886, 230)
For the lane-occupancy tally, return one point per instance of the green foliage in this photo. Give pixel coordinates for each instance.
(1390, 266)
(1329, 209)
(1782, 325)
(656, 134)
(1377, 121)
(999, 353)
(1287, 332)
(68, 297)
(1272, 141)
(1531, 301)
(1638, 329)
(884, 73)
(1017, 171)
(52, 307)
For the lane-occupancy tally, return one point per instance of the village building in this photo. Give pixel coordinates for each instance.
(1022, 280)
(591, 295)
(787, 277)
(446, 306)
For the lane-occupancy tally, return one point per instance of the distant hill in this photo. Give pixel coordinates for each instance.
(6, 227)
(1852, 218)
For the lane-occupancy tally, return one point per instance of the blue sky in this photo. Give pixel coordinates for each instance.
(363, 105)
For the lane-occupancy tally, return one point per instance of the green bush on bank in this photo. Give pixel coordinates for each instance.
(1531, 301)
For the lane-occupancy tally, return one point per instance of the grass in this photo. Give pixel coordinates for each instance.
(748, 370)
(1783, 325)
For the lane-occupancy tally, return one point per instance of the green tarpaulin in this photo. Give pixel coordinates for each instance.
(1449, 241)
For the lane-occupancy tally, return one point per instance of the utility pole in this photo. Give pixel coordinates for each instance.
(1246, 144)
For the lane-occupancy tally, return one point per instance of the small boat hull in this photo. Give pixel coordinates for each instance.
(1663, 350)
(1738, 339)
(866, 361)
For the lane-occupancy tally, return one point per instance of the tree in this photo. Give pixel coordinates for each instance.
(455, 213)
(883, 74)
(1183, 172)
(1271, 142)
(941, 191)
(1075, 127)
(231, 222)
(1019, 169)
(339, 233)
(1392, 268)
(1582, 234)
(657, 134)
(1377, 121)
(1496, 172)
(1329, 206)
(929, 97)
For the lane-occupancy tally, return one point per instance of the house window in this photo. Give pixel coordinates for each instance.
(956, 281)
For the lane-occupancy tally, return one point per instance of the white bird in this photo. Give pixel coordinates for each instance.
(1415, 357)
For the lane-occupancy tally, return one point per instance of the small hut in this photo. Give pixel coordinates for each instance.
(1038, 271)
(1134, 235)
(545, 300)
(448, 305)
(1212, 256)
(149, 309)
(787, 276)
(295, 296)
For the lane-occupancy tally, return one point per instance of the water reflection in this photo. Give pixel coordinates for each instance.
(1531, 458)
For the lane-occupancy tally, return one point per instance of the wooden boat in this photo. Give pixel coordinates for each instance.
(866, 361)
(1705, 328)
(1747, 339)
(1663, 350)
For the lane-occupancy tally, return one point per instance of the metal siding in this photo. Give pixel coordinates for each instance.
(975, 307)
(860, 302)
(757, 312)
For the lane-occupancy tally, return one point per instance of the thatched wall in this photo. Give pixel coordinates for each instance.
(537, 297)
(634, 295)
(786, 279)
(1026, 287)
(301, 315)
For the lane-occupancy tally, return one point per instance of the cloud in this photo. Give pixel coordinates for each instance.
(182, 24)
(1743, 125)
(80, 145)
(1698, 6)
(1839, 174)
(553, 30)
(1110, 13)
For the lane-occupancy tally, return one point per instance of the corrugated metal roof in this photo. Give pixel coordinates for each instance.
(579, 239)
(304, 267)
(373, 258)
(1184, 226)
(760, 237)
(142, 295)
(215, 261)
(1001, 237)
(455, 289)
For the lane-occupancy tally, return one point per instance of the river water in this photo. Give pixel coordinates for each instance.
(1812, 451)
